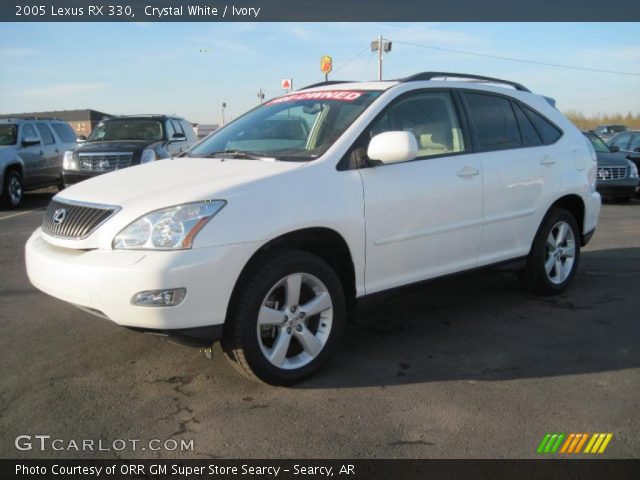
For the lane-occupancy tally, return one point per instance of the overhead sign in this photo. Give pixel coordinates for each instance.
(326, 64)
(286, 83)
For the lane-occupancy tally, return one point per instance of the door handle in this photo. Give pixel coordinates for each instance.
(41, 152)
(547, 160)
(57, 151)
(468, 172)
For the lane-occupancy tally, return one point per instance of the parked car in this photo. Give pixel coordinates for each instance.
(120, 142)
(31, 151)
(628, 143)
(605, 132)
(266, 248)
(617, 176)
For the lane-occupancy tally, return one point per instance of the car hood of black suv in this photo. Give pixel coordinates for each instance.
(134, 146)
(612, 159)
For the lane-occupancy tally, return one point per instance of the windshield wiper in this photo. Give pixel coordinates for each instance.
(240, 154)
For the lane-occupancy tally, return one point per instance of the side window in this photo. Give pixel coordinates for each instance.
(45, 133)
(635, 144)
(547, 131)
(188, 130)
(430, 117)
(494, 121)
(28, 131)
(177, 127)
(530, 137)
(621, 141)
(65, 132)
(170, 130)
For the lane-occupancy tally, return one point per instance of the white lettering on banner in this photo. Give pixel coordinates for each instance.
(342, 95)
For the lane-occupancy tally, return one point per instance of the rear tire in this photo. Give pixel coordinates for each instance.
(13, 189)
(286, 318)
(554, 256)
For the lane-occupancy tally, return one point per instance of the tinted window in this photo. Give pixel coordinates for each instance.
(188, 130)
(169, 129)
(547, 131)
(45, 133)
(29, 131)
(8, 134)
(528, 133)
(635, 143)
(128, 129)
(494, 121)
(432, 119)
(65, 132)
(621, 141)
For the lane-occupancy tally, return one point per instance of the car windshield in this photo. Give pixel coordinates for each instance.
(296, 127)
(617, 128)
(127, 129)
(8, 134)
(598, 144)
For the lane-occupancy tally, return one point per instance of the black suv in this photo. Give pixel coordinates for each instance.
(120, 142)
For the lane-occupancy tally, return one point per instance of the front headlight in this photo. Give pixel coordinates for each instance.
(70, 161)
(633, 170)
(172, 228)
(148, 155)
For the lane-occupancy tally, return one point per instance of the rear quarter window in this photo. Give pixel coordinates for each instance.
(494, 121)
(548, 131)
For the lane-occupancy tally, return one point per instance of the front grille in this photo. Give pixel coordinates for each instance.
(104, 162)
(74, 221)
(612, 173)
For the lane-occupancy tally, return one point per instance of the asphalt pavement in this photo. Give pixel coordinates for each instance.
(466, 367)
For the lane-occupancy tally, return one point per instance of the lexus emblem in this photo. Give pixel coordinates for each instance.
(58, 216)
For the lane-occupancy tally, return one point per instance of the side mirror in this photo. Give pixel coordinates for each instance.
(29, 141)
(393, 147)
(177, 137)
(614, 148)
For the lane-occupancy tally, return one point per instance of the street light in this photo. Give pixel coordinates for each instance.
(224, 105)
(381, 46)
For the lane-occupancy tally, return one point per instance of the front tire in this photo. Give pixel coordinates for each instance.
(286, 318)
(13, 191)
(554, 256)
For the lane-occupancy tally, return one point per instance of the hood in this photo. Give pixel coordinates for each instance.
(173, 181)
(113, 146)
(613, 159)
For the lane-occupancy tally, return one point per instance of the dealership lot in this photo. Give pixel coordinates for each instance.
(464, 367)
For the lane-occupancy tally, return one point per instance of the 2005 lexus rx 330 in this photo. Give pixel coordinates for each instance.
(267, 231)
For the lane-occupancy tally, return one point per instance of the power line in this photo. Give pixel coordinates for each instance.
(351, 59)
(521, 60)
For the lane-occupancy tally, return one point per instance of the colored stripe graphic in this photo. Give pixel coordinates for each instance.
(573, 443)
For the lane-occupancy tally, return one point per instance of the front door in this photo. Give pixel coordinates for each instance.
(423, 217)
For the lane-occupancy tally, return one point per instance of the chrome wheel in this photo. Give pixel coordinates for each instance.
(14, 189)
(294, 321)
(560, 252)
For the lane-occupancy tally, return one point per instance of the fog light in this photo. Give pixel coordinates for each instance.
(159, 298)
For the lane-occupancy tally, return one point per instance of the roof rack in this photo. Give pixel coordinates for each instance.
(431, 75)
(322, 84)
(30, 117)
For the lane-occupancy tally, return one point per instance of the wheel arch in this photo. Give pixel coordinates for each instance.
(323, 242)
(574, 204)
(13, 165)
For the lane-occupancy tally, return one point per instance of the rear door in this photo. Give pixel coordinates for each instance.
(423, 217)
(52, 153)
(520, 172)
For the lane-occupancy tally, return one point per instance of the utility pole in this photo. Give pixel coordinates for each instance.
(260, 95)
(224, 105)
(381, 46)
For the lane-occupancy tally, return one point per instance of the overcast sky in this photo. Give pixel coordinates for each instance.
(190, 69)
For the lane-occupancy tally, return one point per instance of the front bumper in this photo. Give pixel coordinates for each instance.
(625, 187)
(71, 177)
(104, 281)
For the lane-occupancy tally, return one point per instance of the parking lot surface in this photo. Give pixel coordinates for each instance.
(464, 367)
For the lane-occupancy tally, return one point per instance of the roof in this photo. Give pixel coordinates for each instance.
(66, 115)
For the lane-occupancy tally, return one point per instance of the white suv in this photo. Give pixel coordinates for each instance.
(265, 233)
